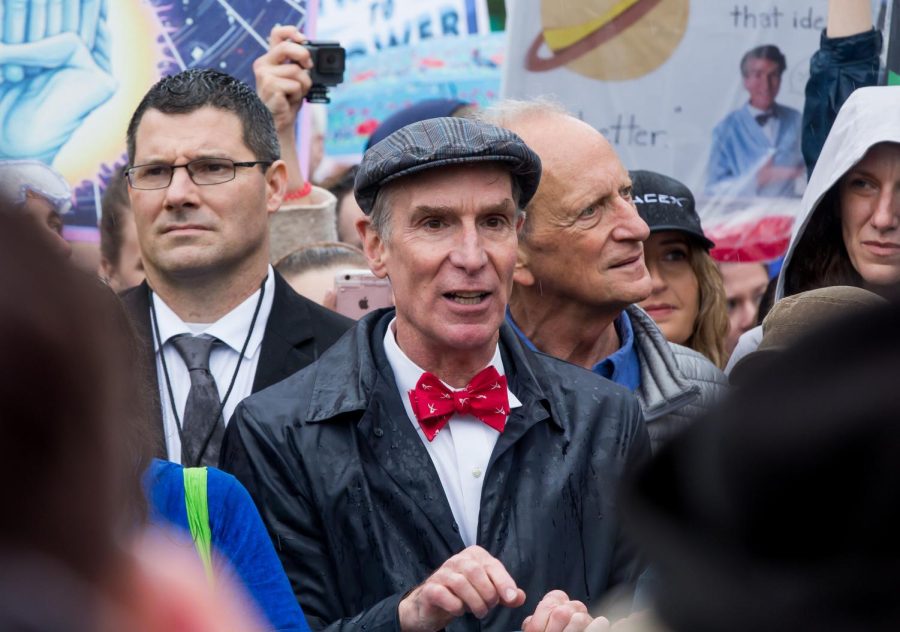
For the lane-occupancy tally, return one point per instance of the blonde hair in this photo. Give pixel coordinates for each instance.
(711, 325)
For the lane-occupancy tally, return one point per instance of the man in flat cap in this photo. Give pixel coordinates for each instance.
(430, 472)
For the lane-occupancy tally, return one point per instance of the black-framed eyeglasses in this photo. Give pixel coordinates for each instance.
(203, 171)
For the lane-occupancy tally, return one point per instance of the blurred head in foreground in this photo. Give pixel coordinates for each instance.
(73, 432)
(781, 511)
(68, 412)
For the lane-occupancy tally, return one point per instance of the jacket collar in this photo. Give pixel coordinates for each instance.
(348, 381)
(355, 376)
(664, 387)
(290, 325)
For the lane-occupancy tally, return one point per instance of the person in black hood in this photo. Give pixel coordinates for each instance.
(780, 510)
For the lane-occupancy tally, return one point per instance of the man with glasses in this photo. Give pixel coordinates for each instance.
(218, 323)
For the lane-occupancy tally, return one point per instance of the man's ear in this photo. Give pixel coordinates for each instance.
(522, 273)
(373, 246)
(276, 185)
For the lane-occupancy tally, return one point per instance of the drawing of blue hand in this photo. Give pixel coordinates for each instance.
(55, 68)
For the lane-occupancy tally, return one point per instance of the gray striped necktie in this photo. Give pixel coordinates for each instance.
(202, 426)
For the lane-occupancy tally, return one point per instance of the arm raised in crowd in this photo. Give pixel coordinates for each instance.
(282, 82)
(847, 59)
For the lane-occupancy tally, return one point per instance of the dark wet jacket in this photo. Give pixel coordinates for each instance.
(840, 66)
(357, 511)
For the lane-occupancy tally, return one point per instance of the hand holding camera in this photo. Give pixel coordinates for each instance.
(282, 86)
(291, 70)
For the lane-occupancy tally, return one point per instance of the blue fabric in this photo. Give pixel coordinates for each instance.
(622, 367)
(740, 148)
(238, 535)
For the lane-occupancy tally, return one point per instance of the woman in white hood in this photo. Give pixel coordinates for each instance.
(849, 230)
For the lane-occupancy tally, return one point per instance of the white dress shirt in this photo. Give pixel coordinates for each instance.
(460, 451)
(232, 330)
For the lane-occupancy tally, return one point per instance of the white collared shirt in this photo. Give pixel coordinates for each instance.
(232, 330)
(460, 451)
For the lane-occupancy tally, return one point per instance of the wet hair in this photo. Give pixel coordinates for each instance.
(711, 325)
(769, 52)
(116, 207)
(71, 410)
(820, 258)
(324, 254)
(201, 87)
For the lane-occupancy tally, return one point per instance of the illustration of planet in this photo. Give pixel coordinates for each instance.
(610, 40)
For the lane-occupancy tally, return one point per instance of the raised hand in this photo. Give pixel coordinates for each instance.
(55, 61)
(282, 80)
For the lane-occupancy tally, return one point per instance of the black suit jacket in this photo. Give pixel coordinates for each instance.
(357, 510)
(297, 333)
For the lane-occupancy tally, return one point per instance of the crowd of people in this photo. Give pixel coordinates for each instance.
(571, 419)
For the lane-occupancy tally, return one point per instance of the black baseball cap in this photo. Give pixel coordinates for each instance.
(667, 204)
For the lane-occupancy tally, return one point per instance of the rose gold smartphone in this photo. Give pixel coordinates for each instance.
(358, 292)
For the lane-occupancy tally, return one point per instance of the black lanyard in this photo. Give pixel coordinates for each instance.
(162, 357)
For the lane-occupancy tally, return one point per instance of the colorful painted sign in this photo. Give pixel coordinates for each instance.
(74, 70)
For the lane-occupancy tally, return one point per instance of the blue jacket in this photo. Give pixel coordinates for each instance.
(238, 536)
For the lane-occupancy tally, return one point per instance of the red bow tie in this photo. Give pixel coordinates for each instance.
(485, 398)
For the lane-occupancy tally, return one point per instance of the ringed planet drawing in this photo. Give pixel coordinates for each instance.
(609, 40)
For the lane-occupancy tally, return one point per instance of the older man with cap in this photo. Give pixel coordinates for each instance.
(429, 472)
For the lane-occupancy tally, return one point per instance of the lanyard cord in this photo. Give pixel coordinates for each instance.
(162, 357)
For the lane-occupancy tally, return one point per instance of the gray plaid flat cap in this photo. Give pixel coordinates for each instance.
(442, 142)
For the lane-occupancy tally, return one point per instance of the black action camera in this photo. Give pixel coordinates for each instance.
(328, 69)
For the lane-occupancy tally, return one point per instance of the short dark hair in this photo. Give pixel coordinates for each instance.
(766, 51)
(200, 87)
(115, 206)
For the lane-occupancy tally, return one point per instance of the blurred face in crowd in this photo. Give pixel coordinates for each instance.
(449, 251)
(128, 271)
(47, 217)
(583, 242)
(674, 302)
(762, 79)
(190, 230)
(316, 284)
(870, 215)
(745, 284)
(348, 214)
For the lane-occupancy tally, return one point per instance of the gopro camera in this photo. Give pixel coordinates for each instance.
(328, 69)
